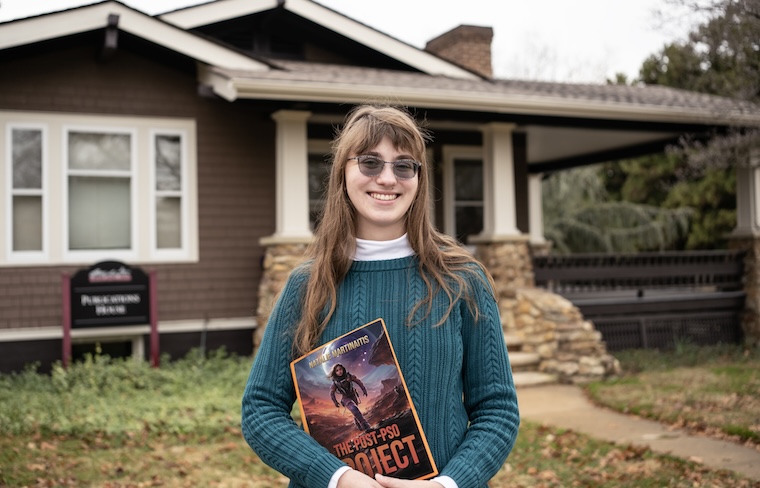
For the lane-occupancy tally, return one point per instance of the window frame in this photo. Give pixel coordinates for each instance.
(125, 254)
(56, 128)
(26, 256)
(452, 153)
(171, 254)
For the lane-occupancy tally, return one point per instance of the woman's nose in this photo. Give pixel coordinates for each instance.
(387, 176)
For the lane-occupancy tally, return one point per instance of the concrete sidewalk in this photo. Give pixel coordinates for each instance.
(566, 406)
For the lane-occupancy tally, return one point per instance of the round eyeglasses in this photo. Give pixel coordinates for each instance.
(403, 169)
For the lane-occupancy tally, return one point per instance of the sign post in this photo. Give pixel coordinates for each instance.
(66, 314)
(109, 293)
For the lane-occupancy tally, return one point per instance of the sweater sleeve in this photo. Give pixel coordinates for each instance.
(489, 395)
(269, 396)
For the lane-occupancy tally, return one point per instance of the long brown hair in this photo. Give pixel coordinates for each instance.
(442, 261)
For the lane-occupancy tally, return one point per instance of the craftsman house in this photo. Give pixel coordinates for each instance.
(193, 145)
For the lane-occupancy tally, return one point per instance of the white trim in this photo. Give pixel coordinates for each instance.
(490, 102)
(450, 154)
(93, 17)
(42, 192)
(181, 252)
(376, 40)
(164, 327)
(213, 12)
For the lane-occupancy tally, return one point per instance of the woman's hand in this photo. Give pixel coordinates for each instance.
(356, 479)
(388, 482)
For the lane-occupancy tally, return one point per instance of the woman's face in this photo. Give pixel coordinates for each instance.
(381, 202)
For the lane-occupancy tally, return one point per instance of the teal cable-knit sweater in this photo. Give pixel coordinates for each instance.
(458, 375)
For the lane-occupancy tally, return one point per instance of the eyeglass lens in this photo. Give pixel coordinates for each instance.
(372, 166)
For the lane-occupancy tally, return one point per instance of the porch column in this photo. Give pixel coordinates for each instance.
(501, 247)
(292, 178)
(538, 243)
(285, 248)
(499, 208)
(746, 236)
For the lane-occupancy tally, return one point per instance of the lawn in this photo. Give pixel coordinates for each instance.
(712, 390)
(120, 423)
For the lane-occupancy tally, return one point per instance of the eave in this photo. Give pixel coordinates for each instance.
(93, 17)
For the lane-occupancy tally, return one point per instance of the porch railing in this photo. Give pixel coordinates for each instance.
(652, 300)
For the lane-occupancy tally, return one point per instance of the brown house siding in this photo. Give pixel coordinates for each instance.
(235, 151)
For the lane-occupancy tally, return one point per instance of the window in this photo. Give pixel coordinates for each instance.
(463, 184)
(26, 208)
(99, 189)
(319, 174)
(168, 168)
(86, 188)
(468, 198)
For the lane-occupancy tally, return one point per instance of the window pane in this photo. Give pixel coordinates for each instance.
(168, 163)
(469, 222)
(27, 158)
(27, 223)
(168, 223)
(99, 213)
(99, 151)
(319, 173)
(469, 180)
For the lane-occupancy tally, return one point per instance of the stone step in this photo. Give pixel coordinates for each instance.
(525, 379)
(522, 360)
(513, 342)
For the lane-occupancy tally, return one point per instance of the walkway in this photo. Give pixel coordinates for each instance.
(567, 407)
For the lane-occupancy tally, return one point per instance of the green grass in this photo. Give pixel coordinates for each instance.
(715, 390)
(117, 423)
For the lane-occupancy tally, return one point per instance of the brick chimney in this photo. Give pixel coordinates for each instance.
(468, 46)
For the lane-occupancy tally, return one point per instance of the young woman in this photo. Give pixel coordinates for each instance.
(376, 255)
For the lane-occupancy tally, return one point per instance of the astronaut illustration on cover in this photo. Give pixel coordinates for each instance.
(342, 382)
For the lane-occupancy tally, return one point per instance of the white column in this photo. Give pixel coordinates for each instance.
(748, 197)
(292, 176)
(499, 206)
(536, 209)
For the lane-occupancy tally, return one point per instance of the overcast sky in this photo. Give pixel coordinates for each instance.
(553, 40)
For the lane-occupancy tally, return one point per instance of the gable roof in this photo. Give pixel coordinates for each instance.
(221, 10)
(95, 16)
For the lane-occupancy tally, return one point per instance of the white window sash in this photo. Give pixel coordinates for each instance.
(25, 256)
(169, 254)
(94, 255)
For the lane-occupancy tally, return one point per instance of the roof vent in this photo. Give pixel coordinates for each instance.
(468, 46)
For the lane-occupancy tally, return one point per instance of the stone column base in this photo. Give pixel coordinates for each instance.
(280, 260)
(751, 315)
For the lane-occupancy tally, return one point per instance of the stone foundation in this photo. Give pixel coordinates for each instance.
(548, 324)
(279, 261)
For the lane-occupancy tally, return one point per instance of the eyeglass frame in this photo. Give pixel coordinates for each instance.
(415, 164)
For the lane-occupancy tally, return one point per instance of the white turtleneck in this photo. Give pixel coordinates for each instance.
(382, 250)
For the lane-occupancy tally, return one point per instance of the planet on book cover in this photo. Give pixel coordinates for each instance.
(355, 403)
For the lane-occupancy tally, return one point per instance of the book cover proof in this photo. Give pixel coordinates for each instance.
(355, 403)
